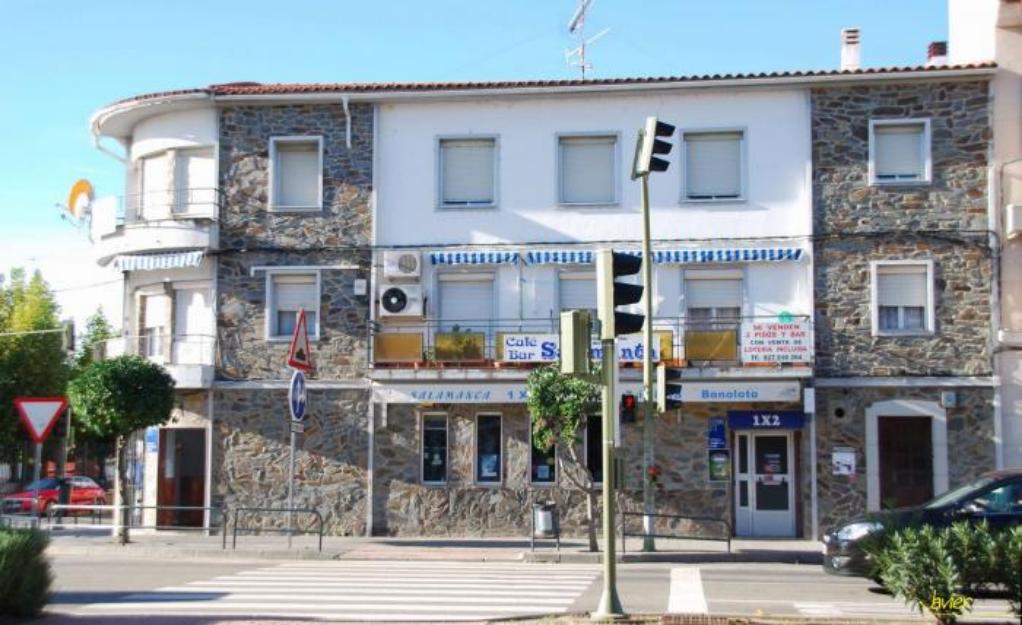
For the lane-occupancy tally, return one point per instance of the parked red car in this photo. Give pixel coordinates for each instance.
(84, 491)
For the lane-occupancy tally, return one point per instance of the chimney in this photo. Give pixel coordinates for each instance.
(936, 53)
(849, 49)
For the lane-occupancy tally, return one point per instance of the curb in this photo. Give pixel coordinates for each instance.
(777, 557)
(143, 551)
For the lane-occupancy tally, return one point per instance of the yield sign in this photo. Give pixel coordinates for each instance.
(299, 355)
(39, 414)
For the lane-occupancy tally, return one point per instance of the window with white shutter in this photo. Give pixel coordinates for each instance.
(466, 301)
(289, 293)
(588, 169)
(899, 151)
(902, 298)
(297, 173)
(194, 181)
(154, 331)
(713, 165)
(577, 291)
(713, 303)
(467, 172)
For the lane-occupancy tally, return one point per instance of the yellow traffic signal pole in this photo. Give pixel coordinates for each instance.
(648, 424)
(610, 603)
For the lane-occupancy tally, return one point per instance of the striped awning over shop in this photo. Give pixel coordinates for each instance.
(677, 257)
(146, 262)
(474, 258)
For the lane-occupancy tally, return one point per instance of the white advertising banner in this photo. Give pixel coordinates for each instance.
(766, 341)
(740, 391)
(522, 347)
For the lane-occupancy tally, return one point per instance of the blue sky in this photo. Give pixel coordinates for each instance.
(62, 60)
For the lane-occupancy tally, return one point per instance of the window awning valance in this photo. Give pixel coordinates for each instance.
(500, 257)
(147, 262)
(677, 257)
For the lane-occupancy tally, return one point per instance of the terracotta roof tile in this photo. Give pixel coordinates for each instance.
(254, 88)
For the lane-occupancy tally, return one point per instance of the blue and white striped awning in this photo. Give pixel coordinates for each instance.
(474, 258)
(734, 255)
(677, 257)
(145, 262)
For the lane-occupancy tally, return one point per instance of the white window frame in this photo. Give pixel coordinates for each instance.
(559, 160)
(532, 452)
(930, 303)
(438, 158)
(272, 172)
(270, 305)
(499, 482)
(468, 274)
(743, 164)
(422, 448)
(926, 147)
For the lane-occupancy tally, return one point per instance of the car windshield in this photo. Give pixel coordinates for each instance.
(43, 484)
(958, 493)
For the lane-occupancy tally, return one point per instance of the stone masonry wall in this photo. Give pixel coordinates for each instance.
(969, 431)
(250, 446)
(944, 221)
(404, 506)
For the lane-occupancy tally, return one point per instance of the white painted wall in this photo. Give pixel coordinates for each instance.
(776, 123)
(190, 128)
(970, 30)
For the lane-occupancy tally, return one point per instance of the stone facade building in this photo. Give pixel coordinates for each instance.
(822, 284)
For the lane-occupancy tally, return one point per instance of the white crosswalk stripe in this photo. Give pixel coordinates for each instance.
(367, 591)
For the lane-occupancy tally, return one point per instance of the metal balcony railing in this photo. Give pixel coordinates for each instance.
(744, 341)
(167, 349)
(171, 204)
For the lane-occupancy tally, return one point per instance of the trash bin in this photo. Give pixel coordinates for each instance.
(544, 520)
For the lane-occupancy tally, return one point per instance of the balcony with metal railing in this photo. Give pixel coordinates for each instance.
(189, 358)
(765, 343)
(155, 221)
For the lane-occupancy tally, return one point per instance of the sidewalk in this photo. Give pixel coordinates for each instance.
(515, 548)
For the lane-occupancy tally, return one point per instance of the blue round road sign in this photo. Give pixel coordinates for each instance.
(296, 396)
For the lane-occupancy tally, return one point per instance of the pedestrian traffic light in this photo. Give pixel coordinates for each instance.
(628, 404)
(648, 146)
(609, 293)
(668, 396)
(576, 342)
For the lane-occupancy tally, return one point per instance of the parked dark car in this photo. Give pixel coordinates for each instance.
(995, 497)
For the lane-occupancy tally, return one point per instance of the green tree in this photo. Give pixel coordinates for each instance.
(114, 398)
(559, 406)
(97, 332)
(31, 363)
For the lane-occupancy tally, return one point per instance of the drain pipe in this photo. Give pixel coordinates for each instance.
(96, 143)
(345, 102)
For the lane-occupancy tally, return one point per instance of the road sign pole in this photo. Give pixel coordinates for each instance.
(37, 470)
(291, 488)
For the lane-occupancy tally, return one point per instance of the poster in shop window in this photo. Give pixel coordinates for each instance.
(719, 465)
(842, 461)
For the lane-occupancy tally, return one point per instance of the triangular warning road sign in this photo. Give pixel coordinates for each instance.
(299, 355)
(39, 414)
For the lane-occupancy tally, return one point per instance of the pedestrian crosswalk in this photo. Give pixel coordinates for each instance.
(370, 591)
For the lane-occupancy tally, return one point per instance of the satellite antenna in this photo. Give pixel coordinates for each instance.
(576, 26)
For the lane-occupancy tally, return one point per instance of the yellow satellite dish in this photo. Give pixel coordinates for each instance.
(80, 199)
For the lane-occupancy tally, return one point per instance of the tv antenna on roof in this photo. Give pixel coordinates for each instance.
(576, 26)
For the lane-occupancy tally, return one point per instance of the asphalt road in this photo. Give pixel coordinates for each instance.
(91, 590)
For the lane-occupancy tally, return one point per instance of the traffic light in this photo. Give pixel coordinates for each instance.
(628, 404)
(67, 336)
(59, 427)
(668, 396)
(648, 146)
(576, 342)
(610, 293)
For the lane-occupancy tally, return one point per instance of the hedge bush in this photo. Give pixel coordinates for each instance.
(940, 570)
(25, 576)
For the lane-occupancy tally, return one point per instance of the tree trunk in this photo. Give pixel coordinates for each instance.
(122, 490)
(591, 514)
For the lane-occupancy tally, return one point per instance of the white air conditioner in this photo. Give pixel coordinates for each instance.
(401, 300)
(401, 264)
(1013, 220)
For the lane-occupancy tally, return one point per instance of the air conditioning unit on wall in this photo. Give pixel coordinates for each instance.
(401, 300)
(402, 264)
(1013, 220)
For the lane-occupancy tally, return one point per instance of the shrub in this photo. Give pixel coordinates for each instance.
(930, 568)
(24, 572)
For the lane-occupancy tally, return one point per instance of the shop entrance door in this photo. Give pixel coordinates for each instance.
(182, 477)
(764, 484)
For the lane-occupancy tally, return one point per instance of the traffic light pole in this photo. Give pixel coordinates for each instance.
(610, 603)
(648, 423)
